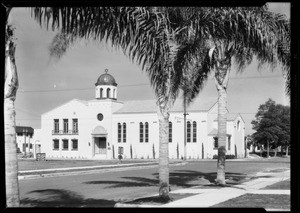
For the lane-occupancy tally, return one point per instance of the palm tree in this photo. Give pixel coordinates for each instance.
(238, 33)
(10, 90)
(145, 35)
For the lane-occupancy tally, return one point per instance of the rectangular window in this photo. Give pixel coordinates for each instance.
(65, 144)
(141, 132)
(66, 126)
(216, 145)
(124, 132)
(229, 142)
(146, 132)
(120, 150)
(75, 126)
(56, 126)
(119, 133)
(194, 132)
(188, 134)
(74, 144)
(55, 144)
(170, 132)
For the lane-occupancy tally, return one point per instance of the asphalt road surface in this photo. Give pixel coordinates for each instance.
(104, 189)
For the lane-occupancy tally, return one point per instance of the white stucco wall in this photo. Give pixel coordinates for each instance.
(86, 113)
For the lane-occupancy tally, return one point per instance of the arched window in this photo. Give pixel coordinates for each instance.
(108, 93)
(119, 133)
(170, 132)
(146, 132)
(101, 92)
(188, 129)
(238, 126)
(194, 132)
(124, 132)
(141, 132)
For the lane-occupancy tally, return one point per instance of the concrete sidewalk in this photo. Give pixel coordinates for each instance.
(205, 197)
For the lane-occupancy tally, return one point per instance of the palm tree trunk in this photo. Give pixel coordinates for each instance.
(10, 90)
(268, 149)
(163, 116)
(222, 117)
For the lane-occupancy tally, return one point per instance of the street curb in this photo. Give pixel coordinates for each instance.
(107, 168)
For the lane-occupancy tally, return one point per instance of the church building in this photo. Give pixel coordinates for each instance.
(105, 127)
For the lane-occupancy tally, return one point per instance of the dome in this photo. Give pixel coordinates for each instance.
(106, 79)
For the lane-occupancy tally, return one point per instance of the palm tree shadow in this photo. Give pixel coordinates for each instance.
(181, 178)
(62, 198)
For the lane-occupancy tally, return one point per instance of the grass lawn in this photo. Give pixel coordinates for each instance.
(285, 185)
(155, 200)
(258, 201)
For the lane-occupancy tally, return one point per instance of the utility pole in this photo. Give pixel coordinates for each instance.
(184, 121)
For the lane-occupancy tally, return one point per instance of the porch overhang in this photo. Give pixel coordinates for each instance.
(99, 131)
(214, 133)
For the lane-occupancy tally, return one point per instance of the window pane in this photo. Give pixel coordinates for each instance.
(66, 125)
(56, 125)
(194, 132)
(141, 132)
(146, 132)
(119, 133)
(65, 144)
(216, 142)
(74, 144)
(188, 131)
(124, 132)
(229, 142)
(75, 125)
(55, 144)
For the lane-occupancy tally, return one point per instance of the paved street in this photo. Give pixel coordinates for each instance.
(106, 188)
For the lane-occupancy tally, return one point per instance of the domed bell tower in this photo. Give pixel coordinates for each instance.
(106, 87)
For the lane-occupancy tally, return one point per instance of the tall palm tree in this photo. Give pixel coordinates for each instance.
(145, 35)
(238, 33)
(10, 89)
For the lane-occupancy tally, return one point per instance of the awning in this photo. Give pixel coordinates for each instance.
(99, 130)
(214, 132)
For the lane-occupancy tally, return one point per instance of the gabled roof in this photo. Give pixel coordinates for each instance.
(232, 117)
(149, 106)
(73, 100)
(21, 129)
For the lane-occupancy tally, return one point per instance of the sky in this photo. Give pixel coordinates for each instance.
(45, 83)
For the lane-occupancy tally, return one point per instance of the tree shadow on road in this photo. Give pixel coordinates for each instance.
(180, 178)
(62, 198)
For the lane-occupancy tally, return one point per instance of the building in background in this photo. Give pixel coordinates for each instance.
(24, 139)
(104, 127)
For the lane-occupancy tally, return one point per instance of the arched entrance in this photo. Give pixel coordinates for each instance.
(99, 135)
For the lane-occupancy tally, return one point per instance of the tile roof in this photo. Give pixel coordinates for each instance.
(20, 129)
(149, 106)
